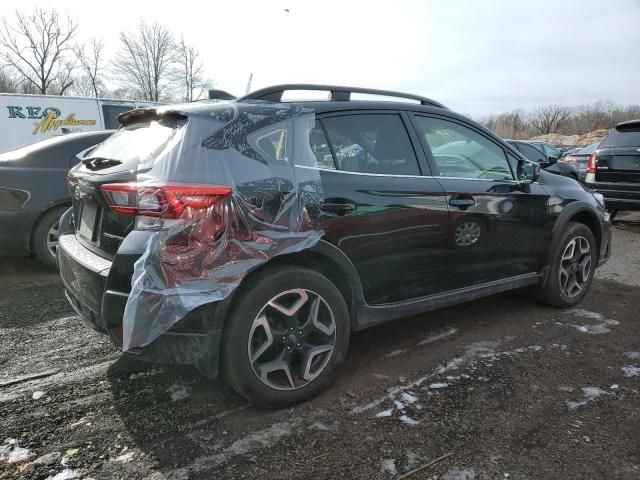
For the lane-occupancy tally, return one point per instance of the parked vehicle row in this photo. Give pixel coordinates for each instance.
(420, 208)
(533, 152)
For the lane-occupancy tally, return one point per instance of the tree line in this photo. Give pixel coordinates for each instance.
(39, 53)
(554, 118)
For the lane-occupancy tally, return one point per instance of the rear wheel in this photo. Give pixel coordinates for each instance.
(286, 337)
(572, 267)
(45, 237)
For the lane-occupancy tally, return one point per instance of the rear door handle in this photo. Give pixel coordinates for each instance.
(337, 207)
(462, 201)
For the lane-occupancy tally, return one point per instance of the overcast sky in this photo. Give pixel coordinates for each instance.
(475, 56)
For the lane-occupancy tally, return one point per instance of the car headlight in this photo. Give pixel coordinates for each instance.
(599, 198)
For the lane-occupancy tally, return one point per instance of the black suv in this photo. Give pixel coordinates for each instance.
(256, 234)
(613, 169)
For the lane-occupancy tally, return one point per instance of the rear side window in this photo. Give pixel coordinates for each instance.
(623, 137)
(372, 143)
(320, 147)
(461, 152)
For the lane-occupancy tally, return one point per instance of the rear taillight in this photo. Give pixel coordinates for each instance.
(591, 163)
(168, 201)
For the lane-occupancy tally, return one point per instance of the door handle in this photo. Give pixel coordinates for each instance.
(462, 201)
(337, 207)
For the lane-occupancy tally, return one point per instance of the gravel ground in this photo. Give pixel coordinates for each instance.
(505, 387)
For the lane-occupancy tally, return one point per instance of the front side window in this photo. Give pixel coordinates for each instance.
(320, 147)
(371, 143)
(461, 152)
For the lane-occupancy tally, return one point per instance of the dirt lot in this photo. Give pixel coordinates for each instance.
(509, 388)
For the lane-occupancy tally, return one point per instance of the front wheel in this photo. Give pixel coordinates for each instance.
(286, 337)
(572, 267)
(45, 237)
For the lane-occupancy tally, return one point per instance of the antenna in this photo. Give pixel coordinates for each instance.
(249, 84)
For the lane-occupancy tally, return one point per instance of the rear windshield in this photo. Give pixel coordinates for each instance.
(623, 137)
(138, 143)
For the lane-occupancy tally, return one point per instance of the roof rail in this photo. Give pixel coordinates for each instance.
(338, 93)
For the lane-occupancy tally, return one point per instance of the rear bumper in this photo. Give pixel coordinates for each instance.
(617, 196)
(195, 340)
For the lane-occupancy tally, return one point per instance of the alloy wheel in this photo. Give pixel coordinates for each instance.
(52, 238)
(467, 233)
(291, 339)
(575, 266)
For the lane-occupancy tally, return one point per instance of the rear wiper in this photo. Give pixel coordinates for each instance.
(98, 163)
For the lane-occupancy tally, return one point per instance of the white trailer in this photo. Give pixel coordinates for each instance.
(28, 118)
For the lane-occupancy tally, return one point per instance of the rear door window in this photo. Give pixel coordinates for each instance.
(531, 152)
(461, 152)
(371, 143)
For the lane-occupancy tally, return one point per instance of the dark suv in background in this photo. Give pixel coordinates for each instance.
(419, 208)
(614, 168)
(550, 164)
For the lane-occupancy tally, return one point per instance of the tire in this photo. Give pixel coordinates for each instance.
(559, 290)
(43, 234)
(246, 319)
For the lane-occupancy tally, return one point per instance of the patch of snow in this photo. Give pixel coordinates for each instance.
(593, 329)
(460, 474)
(11, 452)
(579, 312)
(611, 321)
(615, 386)
(631, 371)
(632, 355)
(399, 405)
(409, 398)
(588, 395)
(66, 474)
(319, 426)
(146, 373)
(395, 353)
(385, 413)
(48, 459)
(37, 395)
(261, 439)
(439, 336)
(408, 420)
(125, 458)
(438, 385)
(178, 391)
(389, 466)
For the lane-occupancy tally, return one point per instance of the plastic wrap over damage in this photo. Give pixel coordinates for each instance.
(234, 194)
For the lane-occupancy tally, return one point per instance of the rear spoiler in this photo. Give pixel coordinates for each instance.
(140, 114)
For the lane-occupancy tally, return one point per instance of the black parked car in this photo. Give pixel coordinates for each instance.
(550, 164)
(579, 157)
(33, 193)
(416, 208)
(614, 168)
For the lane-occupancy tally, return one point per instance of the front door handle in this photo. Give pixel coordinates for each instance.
(336, 206)
(462, 201)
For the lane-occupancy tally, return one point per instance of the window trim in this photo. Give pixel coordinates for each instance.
(429, 156)
(418, 153)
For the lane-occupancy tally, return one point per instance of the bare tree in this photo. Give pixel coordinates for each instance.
(550, 118)
(91, 62)
(145, 61)
(191, 72)
(37, 47)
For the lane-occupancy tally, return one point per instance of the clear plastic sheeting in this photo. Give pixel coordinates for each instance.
(225, 192)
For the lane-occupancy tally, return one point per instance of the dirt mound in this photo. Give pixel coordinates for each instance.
(591, 137)
(574, 140)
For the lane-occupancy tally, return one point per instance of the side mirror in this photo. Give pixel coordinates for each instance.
(528, 172)
(552, 160)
